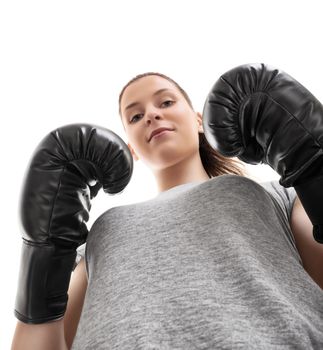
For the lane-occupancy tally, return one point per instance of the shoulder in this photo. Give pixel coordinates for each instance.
(284, 197)
(309, 249)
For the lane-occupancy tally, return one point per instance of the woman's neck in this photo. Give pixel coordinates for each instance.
(187, 171)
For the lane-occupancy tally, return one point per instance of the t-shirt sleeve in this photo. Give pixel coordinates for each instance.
(80, 253)
(285, 197)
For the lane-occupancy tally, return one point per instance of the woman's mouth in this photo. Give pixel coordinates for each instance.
(160, 134)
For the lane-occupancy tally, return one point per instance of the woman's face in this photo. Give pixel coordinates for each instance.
(155, 110)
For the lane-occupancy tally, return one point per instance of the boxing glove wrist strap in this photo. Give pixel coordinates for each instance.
(310, 194)
(44, 277)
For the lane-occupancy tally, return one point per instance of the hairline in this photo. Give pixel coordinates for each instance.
(174, 84)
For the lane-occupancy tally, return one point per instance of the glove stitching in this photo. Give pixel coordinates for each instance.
(68, 160)
(294, 118)
(36, 244)
(232, 154)
(54, 202)
(292, 115)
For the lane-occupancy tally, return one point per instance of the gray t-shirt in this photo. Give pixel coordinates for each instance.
(203, 265)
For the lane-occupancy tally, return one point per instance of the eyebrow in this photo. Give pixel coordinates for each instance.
(154, 94)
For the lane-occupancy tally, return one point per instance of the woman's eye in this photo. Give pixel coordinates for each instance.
(131, 120)
(133, 117)
(167, 101)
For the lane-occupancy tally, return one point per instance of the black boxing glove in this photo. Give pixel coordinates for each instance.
(67, 169)
(262, 115)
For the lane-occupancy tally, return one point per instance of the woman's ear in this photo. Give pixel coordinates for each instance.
(199, 120)
(133, 152)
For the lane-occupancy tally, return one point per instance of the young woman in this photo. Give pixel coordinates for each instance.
(215, 260)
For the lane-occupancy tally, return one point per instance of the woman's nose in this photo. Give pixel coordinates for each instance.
(152, 113)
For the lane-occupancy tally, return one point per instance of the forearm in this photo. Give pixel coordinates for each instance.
(45, 336)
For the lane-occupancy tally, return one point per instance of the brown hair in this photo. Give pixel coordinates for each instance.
(213, 162)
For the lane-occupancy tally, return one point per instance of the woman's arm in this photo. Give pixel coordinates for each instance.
(76, 295)
(45, 336)
(310, 250)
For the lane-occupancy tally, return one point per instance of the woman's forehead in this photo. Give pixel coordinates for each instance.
(145, 87)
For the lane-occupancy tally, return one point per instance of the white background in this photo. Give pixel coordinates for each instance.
(66, 61)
